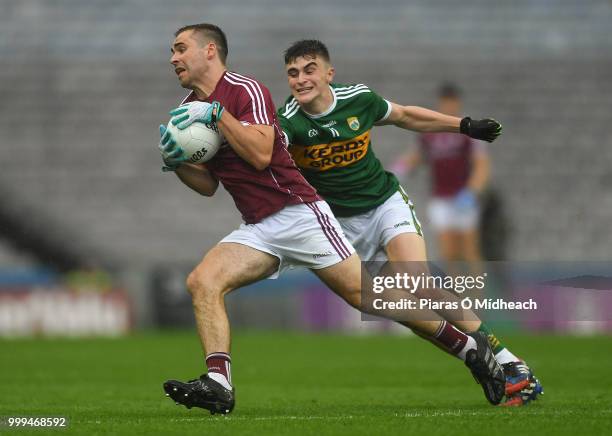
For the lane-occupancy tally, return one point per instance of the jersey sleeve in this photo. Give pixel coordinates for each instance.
(254, 103)
(285, 125)
(284, 113)
(380, 107)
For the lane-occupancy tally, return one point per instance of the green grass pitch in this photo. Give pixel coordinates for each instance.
(297, 384)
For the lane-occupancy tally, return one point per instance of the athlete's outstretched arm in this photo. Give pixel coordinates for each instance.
(253, 143)
(420, 119)
(198, 178)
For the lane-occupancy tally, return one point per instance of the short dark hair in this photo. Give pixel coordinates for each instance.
(211, 32)
(306, 47)
(449, 90)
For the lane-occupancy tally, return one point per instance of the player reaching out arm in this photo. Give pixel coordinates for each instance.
(328, 126)
(420, 119)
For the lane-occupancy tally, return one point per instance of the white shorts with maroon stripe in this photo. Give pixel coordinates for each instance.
(301, 235)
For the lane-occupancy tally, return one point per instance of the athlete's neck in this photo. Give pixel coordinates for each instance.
(320, 104)
(207, 84)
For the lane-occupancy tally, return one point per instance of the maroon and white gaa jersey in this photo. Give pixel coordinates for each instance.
(257, 194)
(450, 158)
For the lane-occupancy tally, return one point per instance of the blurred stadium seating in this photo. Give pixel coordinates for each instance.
(11, 259)
(84, 85)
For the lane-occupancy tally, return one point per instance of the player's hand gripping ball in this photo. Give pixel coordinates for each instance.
(172, 154)
(196, 142)
(197, 111)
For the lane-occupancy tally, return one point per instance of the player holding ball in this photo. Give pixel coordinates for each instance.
(286, 223)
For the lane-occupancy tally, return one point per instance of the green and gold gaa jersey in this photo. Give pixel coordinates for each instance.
(334, 152)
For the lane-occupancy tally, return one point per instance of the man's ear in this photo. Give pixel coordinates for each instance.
(331, 72)
(211, 49)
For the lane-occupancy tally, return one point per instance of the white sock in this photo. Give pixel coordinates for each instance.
(505, 356)
(220, 378)
(469, 345)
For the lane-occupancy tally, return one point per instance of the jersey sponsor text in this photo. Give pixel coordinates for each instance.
(323, 157)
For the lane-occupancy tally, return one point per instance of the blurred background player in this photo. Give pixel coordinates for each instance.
(460, 169)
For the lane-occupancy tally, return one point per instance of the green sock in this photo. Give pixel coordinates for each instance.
(496, 344)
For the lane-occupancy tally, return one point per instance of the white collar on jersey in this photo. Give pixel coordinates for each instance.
(326, 111)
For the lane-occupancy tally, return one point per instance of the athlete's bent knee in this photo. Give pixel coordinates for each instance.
(202, 286)
(193, 282)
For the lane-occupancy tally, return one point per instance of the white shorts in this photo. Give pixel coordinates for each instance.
(305, 235)
(371, 231)
(445, 215)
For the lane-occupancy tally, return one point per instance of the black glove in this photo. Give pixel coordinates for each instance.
(487, 129)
